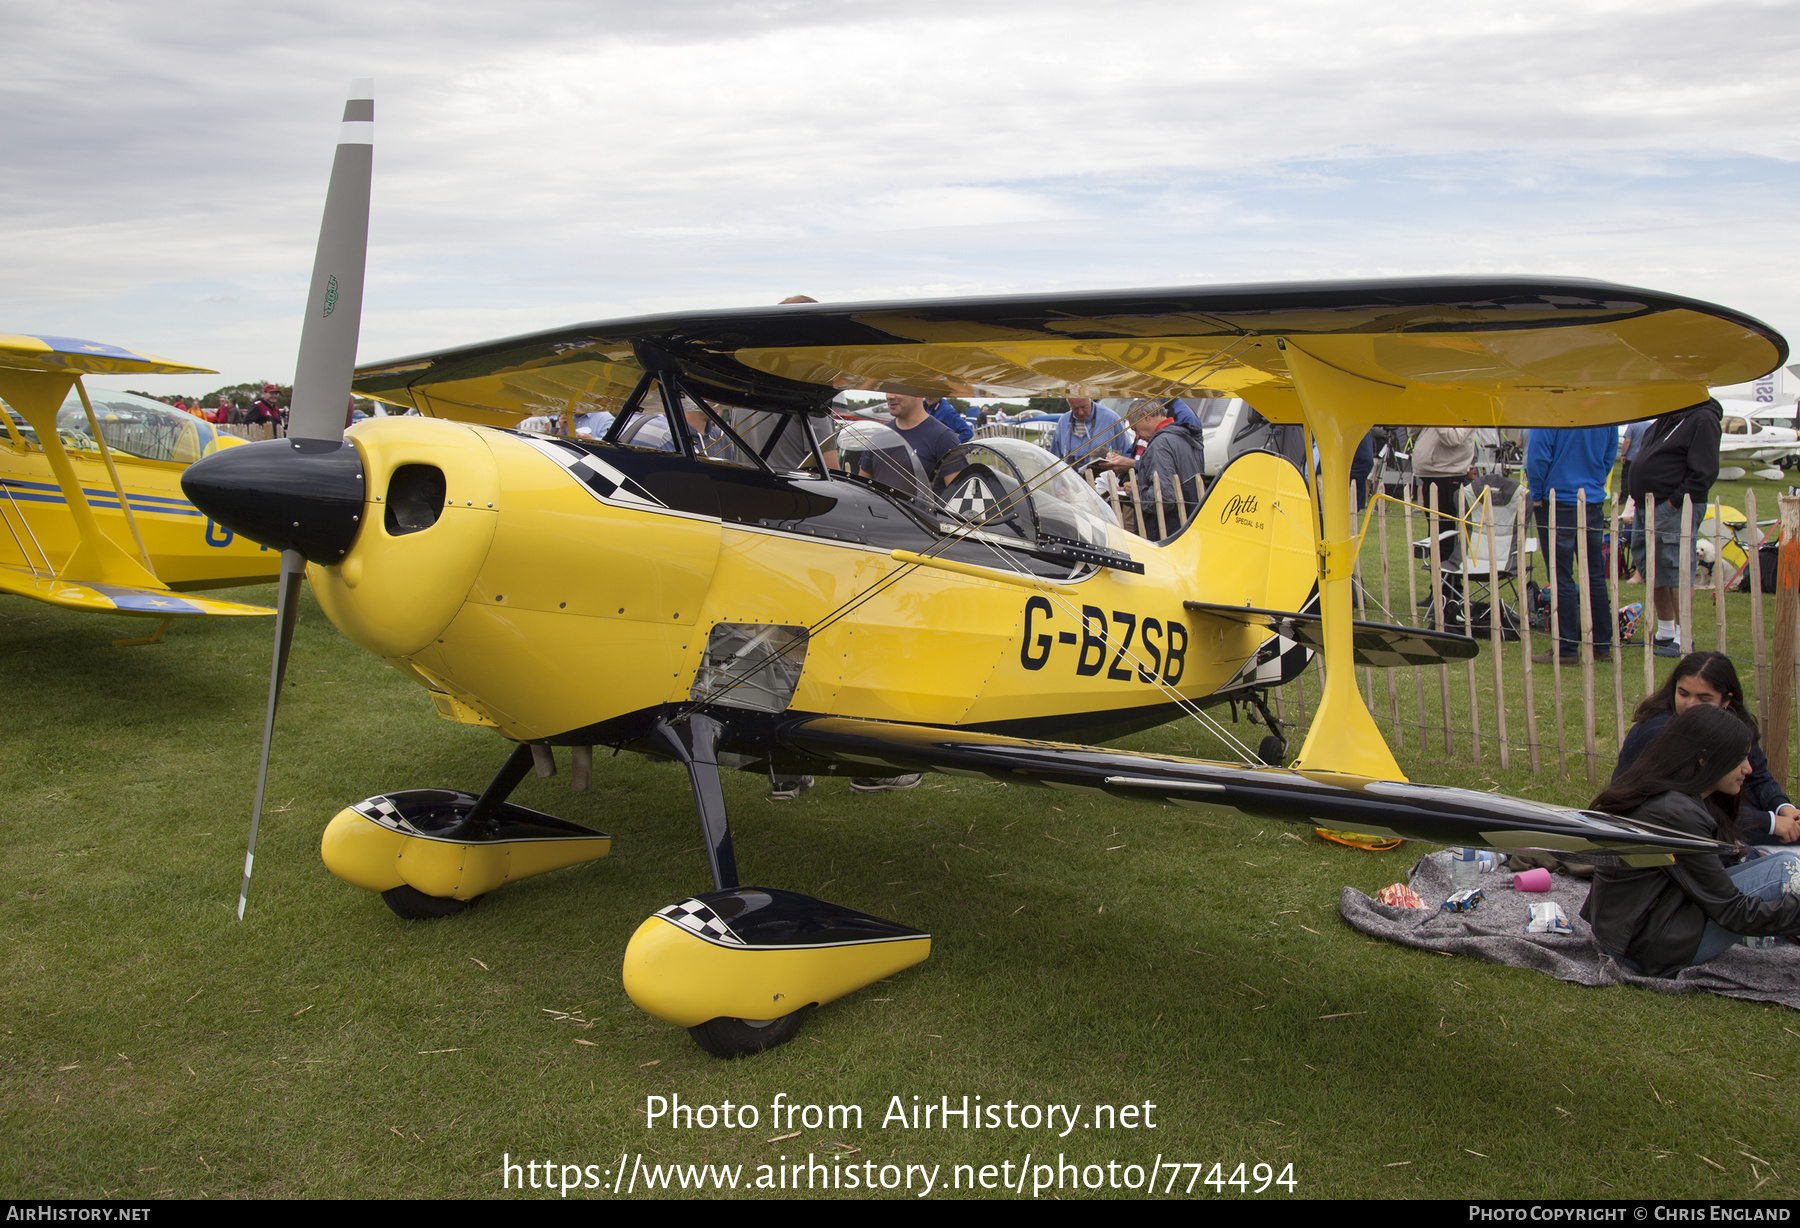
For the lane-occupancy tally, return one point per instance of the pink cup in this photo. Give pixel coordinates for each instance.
(1532, 880)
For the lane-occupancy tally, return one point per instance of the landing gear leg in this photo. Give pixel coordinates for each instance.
(414, 905)
(1272, 750)
(695, 742)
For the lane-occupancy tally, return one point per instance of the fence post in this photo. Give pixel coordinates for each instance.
(1156, 491)
(1531, 728)
(1618, 656)
(1787, 606)
(1412, 612)
(1556, 637)
(1437, 607)
(1718, 571)
(1759, 649)
(1684, 568)
(1586, 603)
(1652, 544)
(1387, 604)
(1465, 548)
(1495, 638)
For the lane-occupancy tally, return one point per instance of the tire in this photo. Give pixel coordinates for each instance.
(734, 1038)
(415, 905)
(1272, 750)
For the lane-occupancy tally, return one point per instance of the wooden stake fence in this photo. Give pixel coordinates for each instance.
(1458, 578)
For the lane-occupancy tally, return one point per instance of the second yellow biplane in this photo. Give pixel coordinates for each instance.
(735, 613)
(90, 490)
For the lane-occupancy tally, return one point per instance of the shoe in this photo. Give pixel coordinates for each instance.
(1668, 648)
(885, 784)
(1544, 658)
(787, 788)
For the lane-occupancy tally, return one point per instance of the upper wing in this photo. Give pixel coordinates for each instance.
(1462, 351)
(1382, 807)
(116, 598)
(73, 356)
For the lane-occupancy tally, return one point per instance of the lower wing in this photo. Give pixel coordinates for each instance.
(1382, 807)
(116, 598)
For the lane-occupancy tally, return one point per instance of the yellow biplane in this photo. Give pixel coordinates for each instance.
(90, 490)
(797, 618)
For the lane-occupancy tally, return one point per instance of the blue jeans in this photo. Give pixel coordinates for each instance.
(1763, 877)
(1568, 594)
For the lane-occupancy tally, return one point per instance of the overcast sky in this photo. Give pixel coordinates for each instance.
(541, 163)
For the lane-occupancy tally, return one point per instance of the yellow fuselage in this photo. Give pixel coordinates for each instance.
(537, 605)
(188, 551)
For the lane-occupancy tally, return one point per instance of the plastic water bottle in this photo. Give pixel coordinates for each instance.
(1465, 868)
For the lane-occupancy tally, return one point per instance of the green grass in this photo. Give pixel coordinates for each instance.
(151, 1045)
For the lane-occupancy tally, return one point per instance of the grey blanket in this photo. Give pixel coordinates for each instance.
(1496, 932)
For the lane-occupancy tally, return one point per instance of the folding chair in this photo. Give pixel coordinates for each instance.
(1502, 508)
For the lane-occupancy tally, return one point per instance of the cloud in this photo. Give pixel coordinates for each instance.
(556, 161)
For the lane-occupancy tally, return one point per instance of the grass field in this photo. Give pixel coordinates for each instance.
(1087, 952)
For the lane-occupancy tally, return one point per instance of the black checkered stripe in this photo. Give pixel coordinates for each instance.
(972, 500)
(594, 473)
(698, 918)
(382, 810)
(1279, 661)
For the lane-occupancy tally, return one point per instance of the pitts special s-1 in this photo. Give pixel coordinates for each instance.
(805, 619)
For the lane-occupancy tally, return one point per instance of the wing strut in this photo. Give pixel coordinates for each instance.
(1339, 409)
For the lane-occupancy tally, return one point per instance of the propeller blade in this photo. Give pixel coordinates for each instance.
(322, 375)
(334, 302)
(293, 568)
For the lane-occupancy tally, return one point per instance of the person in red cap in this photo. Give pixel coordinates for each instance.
(265, 410)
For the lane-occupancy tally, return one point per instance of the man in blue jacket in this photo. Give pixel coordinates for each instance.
(1565, 464)
(941, 409)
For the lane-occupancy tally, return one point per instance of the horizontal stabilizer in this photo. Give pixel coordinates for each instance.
(1377, 644)
(1439, 814)
(117, 599)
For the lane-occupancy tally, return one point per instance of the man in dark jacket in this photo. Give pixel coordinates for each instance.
(1171, 461)
(1679, 456)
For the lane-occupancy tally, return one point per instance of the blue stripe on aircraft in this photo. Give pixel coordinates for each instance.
(76, 345)
(138, 599)
(105, 500)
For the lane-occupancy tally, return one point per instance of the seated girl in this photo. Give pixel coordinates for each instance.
(1766, 817)
(1658, 920)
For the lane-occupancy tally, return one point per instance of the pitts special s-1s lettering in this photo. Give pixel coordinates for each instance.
(763, 608)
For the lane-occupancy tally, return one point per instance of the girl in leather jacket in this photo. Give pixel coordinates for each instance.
(1658, 920)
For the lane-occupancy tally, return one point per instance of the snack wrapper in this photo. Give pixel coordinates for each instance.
(1548, 918)
(1399, 895)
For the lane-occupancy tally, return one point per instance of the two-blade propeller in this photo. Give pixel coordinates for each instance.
(322, 375)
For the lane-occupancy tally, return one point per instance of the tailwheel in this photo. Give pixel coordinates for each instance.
(731, 1038)
(1272, 750)
(415, 905)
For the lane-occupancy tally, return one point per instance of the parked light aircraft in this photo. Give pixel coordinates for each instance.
(90, 495)
(805, 620)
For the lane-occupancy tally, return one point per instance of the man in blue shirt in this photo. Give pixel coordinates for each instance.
(1564, 464)
(1087, 432)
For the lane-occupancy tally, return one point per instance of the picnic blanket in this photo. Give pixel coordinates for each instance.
(1496, 932)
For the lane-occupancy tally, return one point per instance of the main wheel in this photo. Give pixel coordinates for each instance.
(415, 905)
(728, 1038)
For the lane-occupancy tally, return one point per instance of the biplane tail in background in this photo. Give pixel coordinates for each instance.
(94, 516)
